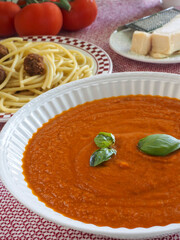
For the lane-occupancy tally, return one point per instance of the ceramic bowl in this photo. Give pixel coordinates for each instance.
(19, 129)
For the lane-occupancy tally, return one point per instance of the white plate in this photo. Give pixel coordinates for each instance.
(120, 42)
(28, 119)
(102, 61)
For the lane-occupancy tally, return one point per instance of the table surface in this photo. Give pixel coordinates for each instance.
(16, 221)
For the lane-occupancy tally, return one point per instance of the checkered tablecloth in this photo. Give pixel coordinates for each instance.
(16, 221)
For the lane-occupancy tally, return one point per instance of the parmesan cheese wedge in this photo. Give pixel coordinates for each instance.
(166, 40)
(141, 43)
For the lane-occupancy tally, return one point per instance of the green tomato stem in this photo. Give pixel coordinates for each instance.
(63, 4)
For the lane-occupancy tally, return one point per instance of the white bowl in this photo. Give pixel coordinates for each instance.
(25, 122)
(170, 3)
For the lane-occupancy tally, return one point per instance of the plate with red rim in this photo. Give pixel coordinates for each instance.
(102, 61)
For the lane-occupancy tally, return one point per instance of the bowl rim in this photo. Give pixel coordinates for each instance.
(138, 232)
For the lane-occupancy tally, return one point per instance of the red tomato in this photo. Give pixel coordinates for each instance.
(39, 19)
(8, 10)
(81, 15)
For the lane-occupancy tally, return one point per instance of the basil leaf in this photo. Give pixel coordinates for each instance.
(101, 155)
(159, 144)
(104, 140)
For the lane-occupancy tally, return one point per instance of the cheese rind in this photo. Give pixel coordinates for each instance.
(141, 43)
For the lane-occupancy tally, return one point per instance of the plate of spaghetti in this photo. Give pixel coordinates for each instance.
(30, 66)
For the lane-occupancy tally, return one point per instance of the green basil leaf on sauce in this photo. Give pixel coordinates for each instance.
(101, 155)
(104, 140)
(159, 144)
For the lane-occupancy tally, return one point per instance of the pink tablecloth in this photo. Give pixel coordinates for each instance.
(16, 221)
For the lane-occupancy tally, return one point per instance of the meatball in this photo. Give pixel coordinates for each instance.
(34, 64)
(3, 51)
(2, 74)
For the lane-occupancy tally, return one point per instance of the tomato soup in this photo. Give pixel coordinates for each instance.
(131, 189)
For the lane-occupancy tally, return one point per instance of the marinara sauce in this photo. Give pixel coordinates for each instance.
(131, 189)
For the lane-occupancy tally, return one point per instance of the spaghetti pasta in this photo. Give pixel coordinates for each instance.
(61, 66)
